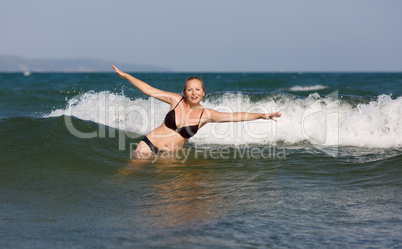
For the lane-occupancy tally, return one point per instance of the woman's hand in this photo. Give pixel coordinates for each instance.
(120, 73)
(272, 116)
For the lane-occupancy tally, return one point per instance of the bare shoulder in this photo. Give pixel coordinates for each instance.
(209, 112)
(175, 98)
(167, 97)
(210, 115)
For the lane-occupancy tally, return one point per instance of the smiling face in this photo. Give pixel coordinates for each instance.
(194, 91)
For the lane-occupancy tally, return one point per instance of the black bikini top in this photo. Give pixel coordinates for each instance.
(186, 131)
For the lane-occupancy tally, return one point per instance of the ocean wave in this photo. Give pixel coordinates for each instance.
(322, 121)
(307, 88)
(47, 139)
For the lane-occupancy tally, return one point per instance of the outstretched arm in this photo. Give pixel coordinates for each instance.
(147, 89)
(220, 117)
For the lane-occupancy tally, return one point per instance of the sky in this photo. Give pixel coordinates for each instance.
(210, 36)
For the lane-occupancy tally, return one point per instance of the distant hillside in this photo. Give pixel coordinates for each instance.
(10, 63)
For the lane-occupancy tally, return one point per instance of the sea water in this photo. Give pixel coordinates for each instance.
(327, 174)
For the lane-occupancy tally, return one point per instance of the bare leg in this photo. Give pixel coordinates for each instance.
(143, 151)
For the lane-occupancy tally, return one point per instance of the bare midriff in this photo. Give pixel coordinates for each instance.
(166, 139)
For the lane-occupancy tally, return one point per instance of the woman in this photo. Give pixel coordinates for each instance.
(185, 118)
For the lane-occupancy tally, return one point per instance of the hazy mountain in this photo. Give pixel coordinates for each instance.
(10, 63)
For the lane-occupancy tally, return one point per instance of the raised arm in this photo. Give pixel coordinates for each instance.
(220, 117)
(147, 89)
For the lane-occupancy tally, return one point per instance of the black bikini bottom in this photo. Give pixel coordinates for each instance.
(150, 145)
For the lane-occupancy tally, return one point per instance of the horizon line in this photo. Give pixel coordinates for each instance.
(213, 72)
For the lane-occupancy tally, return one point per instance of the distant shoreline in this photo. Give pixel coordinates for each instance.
(18, 64)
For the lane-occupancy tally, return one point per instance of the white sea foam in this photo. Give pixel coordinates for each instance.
(322, 121)
(307, 88)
